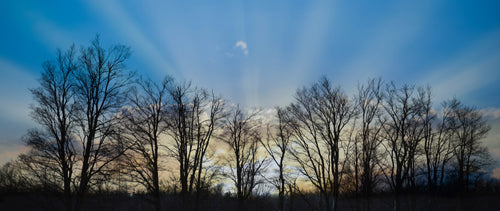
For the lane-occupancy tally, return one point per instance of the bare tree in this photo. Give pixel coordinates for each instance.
(469, 127)
(276, 145)
(400, 112)
(403, 130)
(52, 145)
(366, 142)
(193, 117)
(437, 142)
(145, 122)
(418, 131)
(243, 135)
(368, 101)
(13, 178)
(100, 89)
(41, 173)
(321, 114)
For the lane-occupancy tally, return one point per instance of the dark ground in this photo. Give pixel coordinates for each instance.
(47, 201)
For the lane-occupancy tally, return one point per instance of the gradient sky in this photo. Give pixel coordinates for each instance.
(258, 53)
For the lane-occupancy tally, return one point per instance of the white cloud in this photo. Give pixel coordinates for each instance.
(243, 46)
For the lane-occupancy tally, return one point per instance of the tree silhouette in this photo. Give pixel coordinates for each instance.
(321, 114)
(469, 127)
(193, 117)
(145, 123)
(52, 146)
(96, 124)
(100, 90)
(243, 135)
(368, 101)
(276, 145)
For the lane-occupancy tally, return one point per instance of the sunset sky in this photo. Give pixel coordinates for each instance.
(257, 53)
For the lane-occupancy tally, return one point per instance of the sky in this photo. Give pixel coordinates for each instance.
(257, 53)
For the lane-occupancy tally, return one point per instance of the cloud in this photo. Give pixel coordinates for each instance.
(493, 113)
(10, 152)
(243, 46)
(496, 173)
(491, 141)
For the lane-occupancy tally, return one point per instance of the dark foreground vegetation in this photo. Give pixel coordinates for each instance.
(382, 201)
(109, 139)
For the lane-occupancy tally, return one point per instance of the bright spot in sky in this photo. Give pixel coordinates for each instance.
(243, 46)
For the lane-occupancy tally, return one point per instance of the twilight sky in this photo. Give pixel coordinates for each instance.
(258, 53)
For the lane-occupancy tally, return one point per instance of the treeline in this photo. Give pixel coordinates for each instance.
(103, 129)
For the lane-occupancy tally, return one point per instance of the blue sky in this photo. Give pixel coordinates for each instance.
(258, 53)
